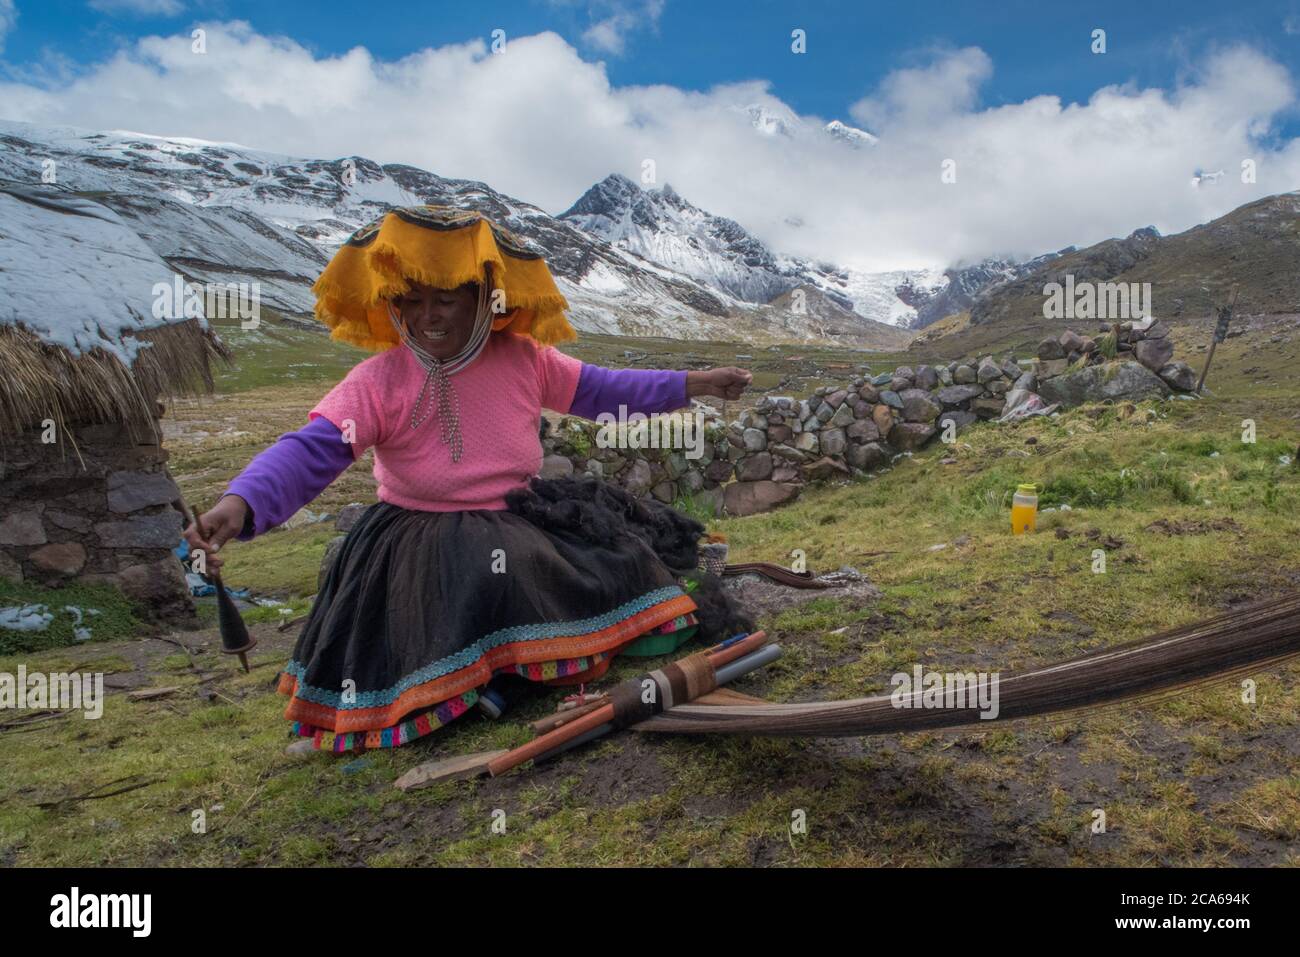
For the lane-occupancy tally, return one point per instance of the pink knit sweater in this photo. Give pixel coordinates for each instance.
(501, 396)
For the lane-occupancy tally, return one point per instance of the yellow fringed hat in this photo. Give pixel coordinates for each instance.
(443, 247)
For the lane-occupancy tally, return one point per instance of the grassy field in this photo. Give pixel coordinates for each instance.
(1191, 520)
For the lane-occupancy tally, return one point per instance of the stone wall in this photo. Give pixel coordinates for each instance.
(766, 456)
(96, 510)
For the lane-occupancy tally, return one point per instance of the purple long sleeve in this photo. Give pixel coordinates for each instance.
(290, 473)
(641, 390)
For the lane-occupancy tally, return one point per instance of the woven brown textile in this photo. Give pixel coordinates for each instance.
(674, 684)
(1235, 643)
(776, 573)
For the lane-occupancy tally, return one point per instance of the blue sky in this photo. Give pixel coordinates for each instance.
(1054, 145)
(1037, 47)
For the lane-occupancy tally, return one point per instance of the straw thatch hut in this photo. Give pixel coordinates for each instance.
(84, 489)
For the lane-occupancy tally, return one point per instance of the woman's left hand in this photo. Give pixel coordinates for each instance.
(725, 383)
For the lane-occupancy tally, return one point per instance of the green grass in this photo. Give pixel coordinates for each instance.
(1197, 779)
(104, 612)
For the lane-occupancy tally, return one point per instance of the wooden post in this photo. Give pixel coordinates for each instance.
(1214, 341)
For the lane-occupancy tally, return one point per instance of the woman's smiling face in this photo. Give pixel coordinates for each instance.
(440, 320)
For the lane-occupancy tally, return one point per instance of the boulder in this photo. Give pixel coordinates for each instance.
(918, 406)
(863, 430)
(963, 374)
(883, 417)
(65, 558)
(1111, 380)
(665, 491)
(10, 570)
(1155, 354)
(1047, 368)
(954, 395)
(753, 440)
(870, 455)
(909, 436)
(1070, 341)
(555, 466)
(331, 549)
(1180, 376)
(750, 498)
(132, 491)
(988, 371)
(159, 586)
(988, 407)
(869, 392)
(161, 530)
(787, 454)
(842, 417)
(779, 433)
(1050, 349)
(807, 442)
(348, 515)
(927, 378)
(637, 478)
(824, 469)
(719, 470)
(833, 442)
(957, 417)
(24, 528)
(1027, 381)
(892, 399)
(785, 473)
(754, 467)
(836, 399)
(945, 376)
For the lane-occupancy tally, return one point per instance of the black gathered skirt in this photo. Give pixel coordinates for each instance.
(419, 610)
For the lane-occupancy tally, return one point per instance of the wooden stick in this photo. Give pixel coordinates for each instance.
(1214, 341)
(719, 655)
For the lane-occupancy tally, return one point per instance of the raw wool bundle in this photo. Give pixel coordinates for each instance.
(591, 510)
(441, 247)
(1234, 643)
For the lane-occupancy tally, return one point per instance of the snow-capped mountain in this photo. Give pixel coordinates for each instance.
(957, 289)
(661, 226)
(848, 134)
(223, 212)
(771, 121)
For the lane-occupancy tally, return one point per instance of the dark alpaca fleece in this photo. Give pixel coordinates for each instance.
(585, 509)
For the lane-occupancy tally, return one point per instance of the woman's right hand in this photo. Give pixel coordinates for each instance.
(217, 526)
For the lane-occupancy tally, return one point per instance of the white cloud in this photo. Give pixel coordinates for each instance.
(142, 8)
(947, 85)
(609, 34)
(8, 16)
(540, 123)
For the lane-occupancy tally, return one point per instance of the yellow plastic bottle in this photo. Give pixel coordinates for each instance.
(1024, 509)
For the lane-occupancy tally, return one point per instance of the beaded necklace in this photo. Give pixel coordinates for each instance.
(443, 393)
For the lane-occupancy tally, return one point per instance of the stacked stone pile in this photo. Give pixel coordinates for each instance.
(766, 456)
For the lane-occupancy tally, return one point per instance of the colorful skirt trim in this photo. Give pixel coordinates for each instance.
(419, 610)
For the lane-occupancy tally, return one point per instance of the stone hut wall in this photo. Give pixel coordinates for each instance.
(94, 510)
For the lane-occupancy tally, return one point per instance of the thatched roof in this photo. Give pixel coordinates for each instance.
(79, 341)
